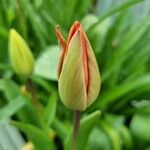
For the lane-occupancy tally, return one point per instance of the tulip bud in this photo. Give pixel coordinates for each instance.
(21, 57)
(78, 73)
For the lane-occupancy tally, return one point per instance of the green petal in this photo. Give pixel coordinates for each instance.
(94, 75)
(71, 82)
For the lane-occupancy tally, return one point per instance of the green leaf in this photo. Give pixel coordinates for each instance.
(61, 128)
(126, 138)
(3, 33)
(86, 126)
(140, 127)
(44, 84)
(12, 92)
(69, 8)
(147, 148)
(113, 135)
(122, 52)
(4, 66)
(117, 123)
(112, 95)
(132, 38)
(98, 140)
(115, 10)
(39, 138)
(49, 9)
(11, 108)
(11, 89)
(1, 84)
(46, 64)
(35, 20)
(50, 110)
(82, 7)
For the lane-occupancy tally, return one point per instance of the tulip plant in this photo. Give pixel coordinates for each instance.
(74, 75)
(78, 73)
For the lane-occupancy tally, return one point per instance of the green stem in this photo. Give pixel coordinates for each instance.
(76, 125)
(31, 88)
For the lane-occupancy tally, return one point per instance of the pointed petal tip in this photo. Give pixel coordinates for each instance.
(60, 37)
(13, 35)
(77, 22)
(12, 32)
(57, 30)
(57, 27)
(76, 25)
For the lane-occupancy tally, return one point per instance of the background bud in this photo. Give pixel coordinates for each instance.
(20, 54)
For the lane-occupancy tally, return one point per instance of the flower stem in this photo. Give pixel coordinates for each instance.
(76, 125)
(31, 88)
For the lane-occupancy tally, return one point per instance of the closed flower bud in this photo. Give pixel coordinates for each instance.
(78, 73)
(21, 57)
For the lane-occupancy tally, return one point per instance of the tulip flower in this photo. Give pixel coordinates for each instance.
(21, 57)
(78, 72)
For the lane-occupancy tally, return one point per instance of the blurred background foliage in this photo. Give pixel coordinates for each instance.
(119, 31)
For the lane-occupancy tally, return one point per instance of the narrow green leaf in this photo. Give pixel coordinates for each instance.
(50, 110)
(61, 128)
(98, 140)
(35, 21)
(49, 9)
(126, 138)
(147, 148)
(44, 84)
(49, 18)
(111, 95)
(1, 84)
(132, 38)
(117, 123)
(11, 108)
(11, 90)
(86, 126)
(115, 10)
(112, 33)
(4, 66)
(40, 139)
(82, 7)
(113, 135)
(3, 33)
(69, 8)
(122, 52)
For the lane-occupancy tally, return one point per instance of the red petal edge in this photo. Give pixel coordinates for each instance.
(62, 43)
(60, 37)
(73, 29)
(85, 58)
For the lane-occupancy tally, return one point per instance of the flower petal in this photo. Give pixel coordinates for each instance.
(72, 31)
(94, 74)
(61, 39)
(71, 82)
(62, 44)
(84, 58)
